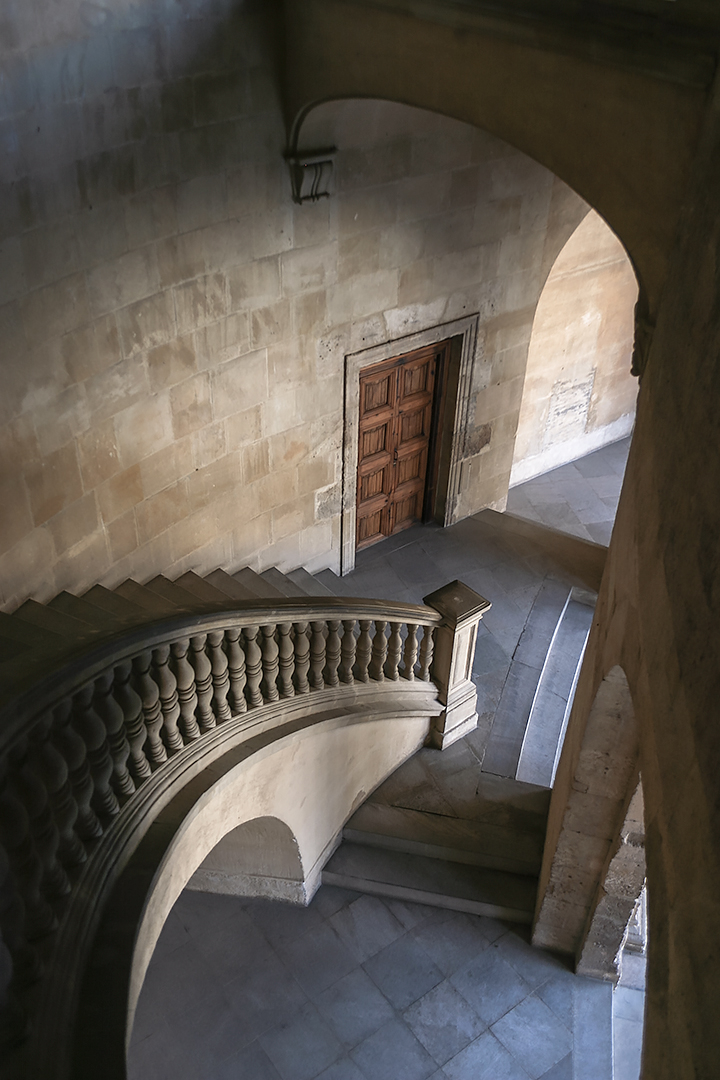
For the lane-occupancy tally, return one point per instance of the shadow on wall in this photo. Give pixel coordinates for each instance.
(258, 858)
(579, 394)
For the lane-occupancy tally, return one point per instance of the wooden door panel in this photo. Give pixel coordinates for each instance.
(408, 510)
(374, 483)
(378, 391)
(396, 415)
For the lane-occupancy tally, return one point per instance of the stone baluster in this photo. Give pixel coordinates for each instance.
(332, 653)
(14, 1027)
(31, 791)
(25, 864)
(270, 664)
(363, 652)
(410, 652)
(92, 730)
(253, 664)
(379, 651)
(13, 925)
(51, 767)
(461, 609)
(74, 752)
(131, 704)
(111, 714)
(302, 658)
(186, 693)
(236, 671)
(286, 657)
(167, 685)
(220, 677)
(149, 692)
(202, 667)
(349, 644)
(394, 652)
(426, 654)
(317, 655)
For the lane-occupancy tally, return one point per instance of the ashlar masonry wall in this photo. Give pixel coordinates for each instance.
(172, 326)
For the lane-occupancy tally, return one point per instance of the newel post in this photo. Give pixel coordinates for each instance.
(451, 671)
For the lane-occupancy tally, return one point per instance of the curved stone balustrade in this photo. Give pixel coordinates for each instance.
(91, 754)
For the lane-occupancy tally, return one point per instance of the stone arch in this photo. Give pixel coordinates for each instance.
(297, 785)
(596, 780)
(578, 393)
(261, 857)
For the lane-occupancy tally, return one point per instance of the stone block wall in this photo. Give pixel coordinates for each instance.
(579, 393)
(170, 322)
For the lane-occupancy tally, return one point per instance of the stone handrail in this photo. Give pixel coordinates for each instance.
(79, 747)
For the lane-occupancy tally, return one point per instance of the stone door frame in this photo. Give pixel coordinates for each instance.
(465, 328)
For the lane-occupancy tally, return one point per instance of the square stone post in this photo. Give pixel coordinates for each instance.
(451, 671)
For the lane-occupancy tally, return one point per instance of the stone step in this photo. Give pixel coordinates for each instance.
(308, 583)
(513, 712)
(331, 581)
(58, 622)
(83, 610)
(107, 600)
(228, 585)
(18, 636)
(436, 836)
(257, 584)
(436, 882)
(551, 706)
(201, 589)
(283, 584)
(157, 606)
(180, 598)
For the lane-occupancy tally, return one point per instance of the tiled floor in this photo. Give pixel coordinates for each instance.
(580, 498)
(360, 988)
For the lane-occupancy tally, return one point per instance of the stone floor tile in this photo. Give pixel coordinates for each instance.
(263, 997)
(453, 942)
(317, 959)
(562, 1071)
(251, 1063)
(629, 1004)
(535, 965)
(534, 1036)
(484, 1059)
(178, 981)
(302, 1046)
(393, 1053)
(344, 1069)
(174, 934)
(366, 926)
(592, 1029)
(354, 1008)
(233, 945)
(331, 898)
(557, 993)
(409, 914)
(490, 985)
(403, 972)
(443, 1022)
(281, 922)
(627, 1049)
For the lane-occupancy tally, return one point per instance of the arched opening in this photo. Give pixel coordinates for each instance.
(578, 393)
(258, 858)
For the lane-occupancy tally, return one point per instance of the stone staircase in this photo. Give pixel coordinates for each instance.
(487, 864)
(37, 636)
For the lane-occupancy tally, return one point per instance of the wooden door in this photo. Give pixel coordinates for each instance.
(396, 415)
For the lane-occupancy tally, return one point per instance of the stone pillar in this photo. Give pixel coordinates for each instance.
(455, 638)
